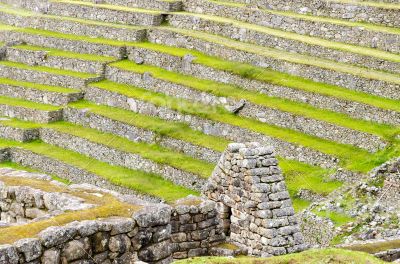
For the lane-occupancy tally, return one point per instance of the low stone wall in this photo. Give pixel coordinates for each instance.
(18, 134)
(253, 201)
(389, 255)
(208, 127)
(23, 204)
(354, 35)
(336, 9)
(121, 158)
(155, 234)
(137, 134)
(42, 58)
(188, 65)
(314, 73)
(39, 96)
(237, 32)
(30, 114)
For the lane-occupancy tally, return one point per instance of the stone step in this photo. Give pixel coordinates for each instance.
(59, 59)
(102, 12)
(198, 90)
(143, 128)
(119, 151)
(205, 67)
(291, 42)
(163, 5)
(319, 70)
(167, 108)
(69, 25)
(45, 75)
(39, 93)
(73, 43)
(362, 11)
(29, 111)
(363, 34)
(78, 168)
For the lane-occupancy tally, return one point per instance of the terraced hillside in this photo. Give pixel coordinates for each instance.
(142, 96)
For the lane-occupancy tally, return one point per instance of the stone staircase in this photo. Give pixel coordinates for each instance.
(144, 96)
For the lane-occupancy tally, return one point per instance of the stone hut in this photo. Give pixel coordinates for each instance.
(253, 202)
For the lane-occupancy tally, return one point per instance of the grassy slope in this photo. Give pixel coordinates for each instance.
(145, 183)
(37, 86)
(351, 157)
(332, 256)
(225, 90)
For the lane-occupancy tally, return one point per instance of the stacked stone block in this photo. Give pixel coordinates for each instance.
(253, 201)
(195, 227)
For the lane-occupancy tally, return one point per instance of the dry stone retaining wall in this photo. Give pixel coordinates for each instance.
(253, 201)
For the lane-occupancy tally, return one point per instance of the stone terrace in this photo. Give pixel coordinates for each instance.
(143, 96)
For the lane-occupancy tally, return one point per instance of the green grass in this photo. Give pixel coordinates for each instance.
(350, 156)
(224, 90)
(145, 183)
(27, 104)
(337, 218)
(177, 130)
(275, 77)
(365, 51)
(37, 86)
(373, 248)
(152, 152)
(314, 256)
(66, 54)
(22, 66)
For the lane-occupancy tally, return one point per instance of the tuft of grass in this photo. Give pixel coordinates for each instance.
(314, 256)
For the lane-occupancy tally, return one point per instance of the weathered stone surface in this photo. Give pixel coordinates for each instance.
(30, 248)
(153, 216)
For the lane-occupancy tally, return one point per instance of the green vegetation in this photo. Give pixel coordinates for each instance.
(376, 247)
(337, 218)
(315, 256)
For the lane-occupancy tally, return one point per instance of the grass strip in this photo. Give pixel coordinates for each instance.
(37, 86)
